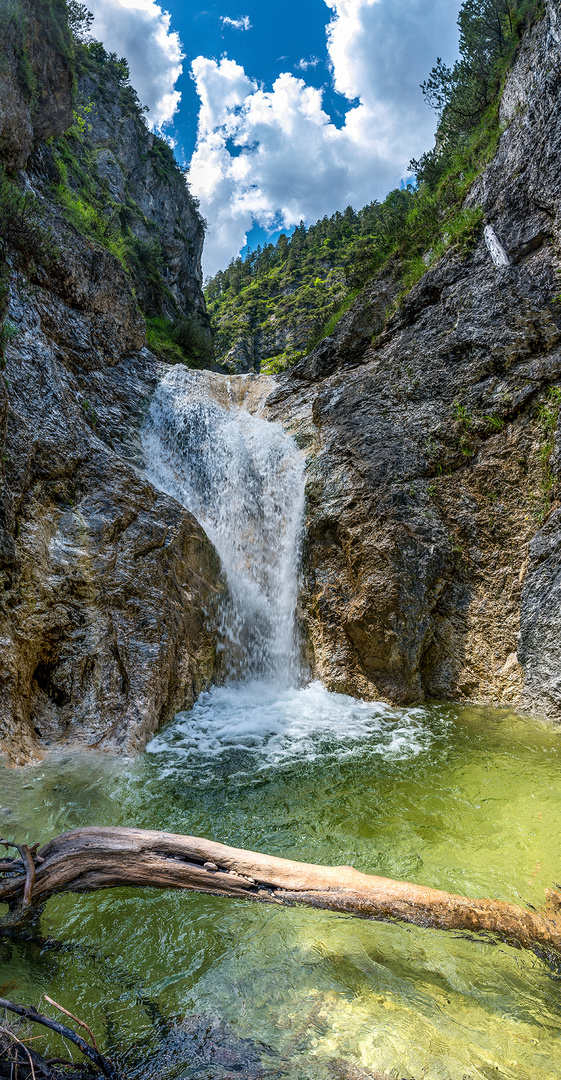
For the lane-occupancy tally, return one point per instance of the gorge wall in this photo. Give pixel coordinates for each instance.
(107, 585)
(433, 540)
(434, 529)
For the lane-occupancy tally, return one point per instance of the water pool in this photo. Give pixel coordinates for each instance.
(462, 798)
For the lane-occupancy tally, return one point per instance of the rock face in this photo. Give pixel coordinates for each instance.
(36, 77)
(433, 534)
(433, 549)
(254, 344)
(135, 169)
(108, 587)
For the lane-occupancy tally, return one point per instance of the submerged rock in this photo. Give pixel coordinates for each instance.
(205, 1046)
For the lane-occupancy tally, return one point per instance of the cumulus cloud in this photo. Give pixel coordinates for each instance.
(275, 157)
(236, 24)
(140, 30)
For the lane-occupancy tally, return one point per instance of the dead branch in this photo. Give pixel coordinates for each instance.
(76, 1019)
(29, 1013)
(10, 1034)
(29, 864)
(102, 858)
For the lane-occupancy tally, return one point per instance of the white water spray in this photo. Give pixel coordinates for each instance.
(242, 477)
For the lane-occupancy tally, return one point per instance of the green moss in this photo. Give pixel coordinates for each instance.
(335, 317)
(548, 413)
(83, 193)
(19, 25)
(285, 360)
(23, 230)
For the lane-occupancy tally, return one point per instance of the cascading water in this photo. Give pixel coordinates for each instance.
(243, 479)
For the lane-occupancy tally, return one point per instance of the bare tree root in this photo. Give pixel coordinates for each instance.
(87, 859)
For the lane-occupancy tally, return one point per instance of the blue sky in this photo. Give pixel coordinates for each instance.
(279, 38)
(289, 36)
(283, 109)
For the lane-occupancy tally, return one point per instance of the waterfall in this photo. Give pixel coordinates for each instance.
(242, 477)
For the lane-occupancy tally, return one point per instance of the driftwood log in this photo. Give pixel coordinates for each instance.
(104, 858)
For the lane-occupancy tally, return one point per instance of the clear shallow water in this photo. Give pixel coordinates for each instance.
(466, 799)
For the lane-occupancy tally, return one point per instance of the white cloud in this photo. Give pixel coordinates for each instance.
(275, 156)
(140, 30)
(303, 64)
(236, 24)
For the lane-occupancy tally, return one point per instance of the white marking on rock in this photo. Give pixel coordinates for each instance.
(495, 248)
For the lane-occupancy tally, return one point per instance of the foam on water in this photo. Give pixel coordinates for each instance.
(255, 726)
(243, 479)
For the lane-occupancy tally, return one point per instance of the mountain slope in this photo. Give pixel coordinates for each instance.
(276, 304)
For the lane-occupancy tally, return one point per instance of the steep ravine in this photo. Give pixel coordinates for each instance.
(433, 531)
(433, 538)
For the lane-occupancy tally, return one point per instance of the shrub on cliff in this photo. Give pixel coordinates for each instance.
(466, 96)
(181, 341)
(23, 231)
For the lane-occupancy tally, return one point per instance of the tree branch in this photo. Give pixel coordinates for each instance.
(29, 1013)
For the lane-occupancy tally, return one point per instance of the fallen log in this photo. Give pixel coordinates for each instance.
(87, 859)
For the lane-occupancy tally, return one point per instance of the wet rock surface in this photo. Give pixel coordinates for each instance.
(433, 531)
(107, 587)
(433, 540)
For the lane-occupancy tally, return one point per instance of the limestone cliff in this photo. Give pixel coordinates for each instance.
(107, 585)
(434, 454)
(36, 77)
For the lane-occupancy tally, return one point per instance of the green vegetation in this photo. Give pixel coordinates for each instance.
(298, 284)
(466, 97)
(85, 184)
(55, 34)
(548, 414)
(23, 230)
(111, 216)
(495, 423)
(461, 415)
(284, 298)
(179, 341)
(84, 195)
